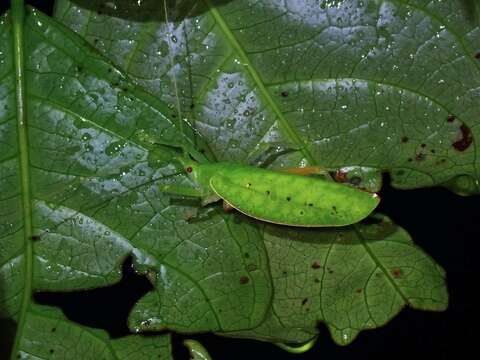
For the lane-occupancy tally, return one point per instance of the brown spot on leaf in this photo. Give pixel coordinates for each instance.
(450, 118)
(244, 280)
(35, 237)
(466, 139)
(359, 291)
(304, 301)
(316, 265)
(404, 139)
(251, 267)
(397, 273)
(477, 55)
(284, 93)
(316, 280)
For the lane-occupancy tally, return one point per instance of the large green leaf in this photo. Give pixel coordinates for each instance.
(391, 85)
(354, 279)
(346, 83)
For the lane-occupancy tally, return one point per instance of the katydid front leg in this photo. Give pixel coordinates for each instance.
(181, 190)
(306, 171)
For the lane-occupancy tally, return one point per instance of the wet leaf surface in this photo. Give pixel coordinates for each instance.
(359, 85)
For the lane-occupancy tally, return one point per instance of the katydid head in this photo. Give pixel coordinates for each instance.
(199, 173)
(190, 168)
(191, 171)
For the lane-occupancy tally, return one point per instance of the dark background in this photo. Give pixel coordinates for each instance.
(445, 225)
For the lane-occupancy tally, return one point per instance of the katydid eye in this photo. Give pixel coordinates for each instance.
(189, 169)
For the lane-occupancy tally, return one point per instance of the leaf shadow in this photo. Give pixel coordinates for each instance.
(373, 229)
(470, 9)
(8, 327)
(148, 10)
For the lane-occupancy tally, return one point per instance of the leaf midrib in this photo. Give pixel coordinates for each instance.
(284, 125)
(379, 265)
(18, 18)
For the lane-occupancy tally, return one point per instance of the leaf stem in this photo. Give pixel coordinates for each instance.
(18, 19)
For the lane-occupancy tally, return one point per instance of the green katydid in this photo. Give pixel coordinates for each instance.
(276, 196)
(273, 196)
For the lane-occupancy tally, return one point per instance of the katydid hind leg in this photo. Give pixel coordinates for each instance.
(307, 171)
(199, 214)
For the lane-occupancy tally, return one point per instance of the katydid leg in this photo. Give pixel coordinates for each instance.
(181, 190)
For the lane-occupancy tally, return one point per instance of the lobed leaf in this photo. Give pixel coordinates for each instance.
(48, 334)
(366, 86)
(351, 279)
